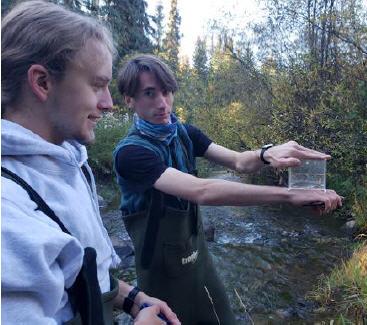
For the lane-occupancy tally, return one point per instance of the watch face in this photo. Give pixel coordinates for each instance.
(267, 146)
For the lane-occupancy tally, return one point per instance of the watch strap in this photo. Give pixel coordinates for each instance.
(263, 149)
(129, 300)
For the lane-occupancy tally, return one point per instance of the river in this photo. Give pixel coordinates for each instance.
(268, 257)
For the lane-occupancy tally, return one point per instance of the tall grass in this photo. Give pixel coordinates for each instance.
(359, 207)
(345, 290)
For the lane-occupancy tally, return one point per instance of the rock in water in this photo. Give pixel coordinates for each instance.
(350, 227)
(126, 253)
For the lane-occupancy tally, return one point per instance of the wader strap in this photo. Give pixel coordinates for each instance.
(189, 164)
(156, 210)
(108, 301)
(195, 217)
(172, 153)
(41, 204)
(85, 294)
(87, 176)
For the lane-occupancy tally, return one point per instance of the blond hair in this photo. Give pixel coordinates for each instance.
(39, 32)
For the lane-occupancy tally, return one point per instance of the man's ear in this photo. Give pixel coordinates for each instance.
(129, 101)
(39, 81)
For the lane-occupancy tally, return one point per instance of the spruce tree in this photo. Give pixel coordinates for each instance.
(171, 42)
(130, 25)
(158, 32)
(200, 59)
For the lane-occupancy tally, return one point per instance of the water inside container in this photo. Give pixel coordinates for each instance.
(311, 174)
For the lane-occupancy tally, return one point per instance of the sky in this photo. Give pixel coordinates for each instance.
(195, 15)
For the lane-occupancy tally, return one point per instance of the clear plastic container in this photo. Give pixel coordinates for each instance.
(310, 175)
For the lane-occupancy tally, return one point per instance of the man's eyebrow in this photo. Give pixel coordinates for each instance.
(148, 88)
(102, 79)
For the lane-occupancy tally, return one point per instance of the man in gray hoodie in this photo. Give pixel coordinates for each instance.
(56, 253)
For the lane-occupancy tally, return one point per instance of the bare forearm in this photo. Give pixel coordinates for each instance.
(221, 192)
(148, 317)
(124, 290)
(242, 162)
(248, 162)
(217, 191)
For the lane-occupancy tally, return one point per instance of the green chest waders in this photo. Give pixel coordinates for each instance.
(173, 263)
(89, 305)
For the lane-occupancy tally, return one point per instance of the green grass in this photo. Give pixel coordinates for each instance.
(345, 290)
(359, 206)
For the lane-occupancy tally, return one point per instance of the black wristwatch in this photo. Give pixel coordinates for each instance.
(129, 300)
(263, 149)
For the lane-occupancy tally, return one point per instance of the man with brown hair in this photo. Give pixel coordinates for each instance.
(155, 167)
(56, 254)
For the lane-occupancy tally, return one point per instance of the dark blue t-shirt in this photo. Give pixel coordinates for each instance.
(144, 167)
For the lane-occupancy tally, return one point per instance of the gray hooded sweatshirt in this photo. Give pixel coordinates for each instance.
(38, 260)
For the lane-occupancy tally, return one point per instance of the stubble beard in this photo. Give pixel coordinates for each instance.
(67, 133)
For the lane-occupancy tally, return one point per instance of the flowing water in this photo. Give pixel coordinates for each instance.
(269, 258)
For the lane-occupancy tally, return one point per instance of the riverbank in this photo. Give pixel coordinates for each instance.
(268, 258)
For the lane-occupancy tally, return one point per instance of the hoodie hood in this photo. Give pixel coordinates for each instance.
(19, 141)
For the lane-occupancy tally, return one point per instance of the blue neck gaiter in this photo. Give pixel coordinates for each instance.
(160, 132)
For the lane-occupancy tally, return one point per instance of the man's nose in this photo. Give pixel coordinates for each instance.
(105, 102)
(162, 100)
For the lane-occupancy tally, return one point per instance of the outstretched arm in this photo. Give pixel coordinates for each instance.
(222, 192)
(281, 156)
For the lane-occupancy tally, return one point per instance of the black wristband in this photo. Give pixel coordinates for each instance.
(129, 300)
(263, 149)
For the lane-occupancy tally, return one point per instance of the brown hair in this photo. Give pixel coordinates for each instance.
(128, 78)
(39, 32)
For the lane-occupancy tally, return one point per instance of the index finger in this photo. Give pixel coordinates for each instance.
(169, 314)
(310, 153)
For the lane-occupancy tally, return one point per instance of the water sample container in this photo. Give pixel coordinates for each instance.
(311, 174)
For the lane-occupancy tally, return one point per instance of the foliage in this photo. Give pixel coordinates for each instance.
(159, 30)
(315, 95)
(328, 117)
(190, 90)
(324, 29)
(200, 59)
(109, 131)
(81, 6)
(359, 206)
(171, 42)
(231, 126)
(229, 95)
(130, 25)
(345, 290)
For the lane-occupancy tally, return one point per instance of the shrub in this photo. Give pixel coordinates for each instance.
(109, 131)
